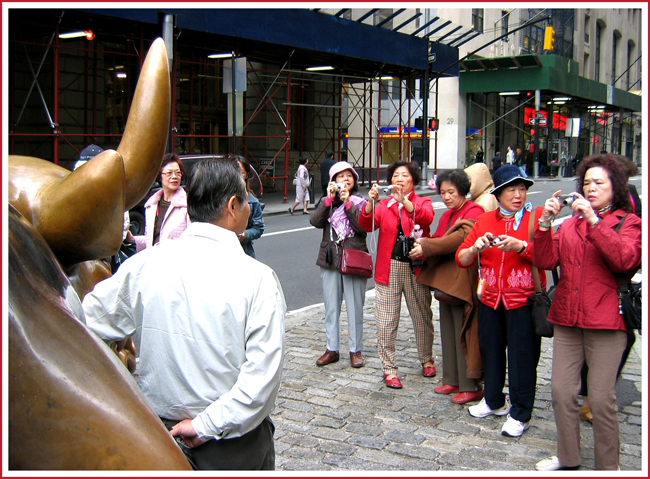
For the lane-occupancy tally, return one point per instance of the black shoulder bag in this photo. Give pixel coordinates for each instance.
(629, 297)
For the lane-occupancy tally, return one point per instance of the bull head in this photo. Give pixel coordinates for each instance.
(72, 403)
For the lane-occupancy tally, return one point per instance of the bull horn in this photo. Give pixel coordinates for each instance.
(145, 137)
(80, 214)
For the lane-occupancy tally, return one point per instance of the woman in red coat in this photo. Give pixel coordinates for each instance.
(589, 326)
(500, 239)
(396, 218)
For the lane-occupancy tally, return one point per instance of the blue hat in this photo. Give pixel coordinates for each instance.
(506, 175)
(91, 151)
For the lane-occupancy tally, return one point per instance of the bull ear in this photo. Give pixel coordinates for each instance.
(145, 137)
(83, 217)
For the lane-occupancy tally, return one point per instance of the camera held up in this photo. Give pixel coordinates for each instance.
(567, 200)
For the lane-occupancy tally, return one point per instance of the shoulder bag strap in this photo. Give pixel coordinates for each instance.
(623, 286)
(531, 237)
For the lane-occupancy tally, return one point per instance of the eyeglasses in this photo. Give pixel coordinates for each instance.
(167, 174)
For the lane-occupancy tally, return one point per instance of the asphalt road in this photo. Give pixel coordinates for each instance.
(290, 245)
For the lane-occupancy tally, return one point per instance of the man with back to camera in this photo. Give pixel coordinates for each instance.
(325, 166)
(208, 321)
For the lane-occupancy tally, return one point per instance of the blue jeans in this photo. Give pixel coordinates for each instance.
(512, 330)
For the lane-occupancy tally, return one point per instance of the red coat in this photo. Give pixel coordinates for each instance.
(386, 220)
(508, 276)
(587, 294)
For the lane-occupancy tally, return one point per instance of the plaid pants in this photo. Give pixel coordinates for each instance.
(387, 314)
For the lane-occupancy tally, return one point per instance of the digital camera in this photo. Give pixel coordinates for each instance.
(386, 190)
(340, 186)
(567, 200)
(495, 241)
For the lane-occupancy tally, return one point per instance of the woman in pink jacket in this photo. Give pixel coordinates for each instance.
(166, 211)
(396, 218)
(589, 327)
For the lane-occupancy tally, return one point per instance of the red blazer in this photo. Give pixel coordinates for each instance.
(386, 222)
(587, 293)
(508, 276)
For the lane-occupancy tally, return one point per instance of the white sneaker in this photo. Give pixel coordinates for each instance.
(514, 428)
(482, 409)
(552, 464)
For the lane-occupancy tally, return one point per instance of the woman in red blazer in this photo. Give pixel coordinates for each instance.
(396, 217)
(589, 326)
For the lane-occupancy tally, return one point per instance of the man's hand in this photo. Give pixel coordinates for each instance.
(185, 430)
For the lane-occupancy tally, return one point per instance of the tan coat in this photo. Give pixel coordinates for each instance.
(443, 273)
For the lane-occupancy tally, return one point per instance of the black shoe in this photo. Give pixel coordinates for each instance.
(290, 211)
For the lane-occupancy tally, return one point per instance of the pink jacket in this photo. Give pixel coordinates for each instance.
(175, 222)
(587, 293)
(386, 219)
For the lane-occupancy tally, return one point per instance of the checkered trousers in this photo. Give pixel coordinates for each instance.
(387, 313)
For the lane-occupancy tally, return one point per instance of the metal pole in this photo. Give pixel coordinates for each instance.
(425, 126)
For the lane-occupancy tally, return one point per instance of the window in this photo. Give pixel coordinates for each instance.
(381, 15)
(630, 52)
(477, 19)
(587, 26)
(614, 52)
(597, 59)
(505, 16)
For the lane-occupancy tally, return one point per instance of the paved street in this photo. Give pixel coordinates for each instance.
(337, 418)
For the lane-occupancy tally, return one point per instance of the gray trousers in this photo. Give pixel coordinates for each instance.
(335, 286)
(602, 350)
(454, 364)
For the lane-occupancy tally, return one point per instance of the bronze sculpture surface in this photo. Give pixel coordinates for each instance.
(72, 403)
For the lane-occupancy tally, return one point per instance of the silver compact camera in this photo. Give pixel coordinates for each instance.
(340, 186)
(567, 200)
(386, 190)
(494, 240)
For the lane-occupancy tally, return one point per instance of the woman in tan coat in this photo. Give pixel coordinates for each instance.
(455, 288)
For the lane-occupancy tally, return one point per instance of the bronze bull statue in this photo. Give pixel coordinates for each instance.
(72, 403)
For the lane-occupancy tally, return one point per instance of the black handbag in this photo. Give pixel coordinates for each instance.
(629, 297)
(541, 301)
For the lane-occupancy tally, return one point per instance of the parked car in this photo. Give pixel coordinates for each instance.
(137, 212)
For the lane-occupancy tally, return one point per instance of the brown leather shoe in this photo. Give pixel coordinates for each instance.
(356, 359)
(328, 357)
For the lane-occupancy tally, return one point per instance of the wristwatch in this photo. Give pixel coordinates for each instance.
(524, 247)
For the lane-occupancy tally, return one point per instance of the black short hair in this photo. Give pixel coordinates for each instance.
(302, 160)
(214, 181)
(412, 166)
(329, 153)
(167, 159)
(458, 178)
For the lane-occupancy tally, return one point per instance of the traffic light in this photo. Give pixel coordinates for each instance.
(549, 38)
(433, 124)
(419, 123)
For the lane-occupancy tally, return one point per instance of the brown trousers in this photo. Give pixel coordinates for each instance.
(602, 350)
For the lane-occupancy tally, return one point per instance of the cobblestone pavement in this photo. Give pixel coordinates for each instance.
(336, 418)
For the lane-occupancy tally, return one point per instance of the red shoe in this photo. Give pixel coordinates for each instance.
(446, 389)
(467, 396)
(429, 371)
(394, 383)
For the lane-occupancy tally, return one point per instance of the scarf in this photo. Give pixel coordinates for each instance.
(518, 215)
(339, 220)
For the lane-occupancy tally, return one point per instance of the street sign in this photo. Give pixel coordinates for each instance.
(542, 121)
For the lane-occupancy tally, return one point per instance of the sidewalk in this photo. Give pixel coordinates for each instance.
(336, 418)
